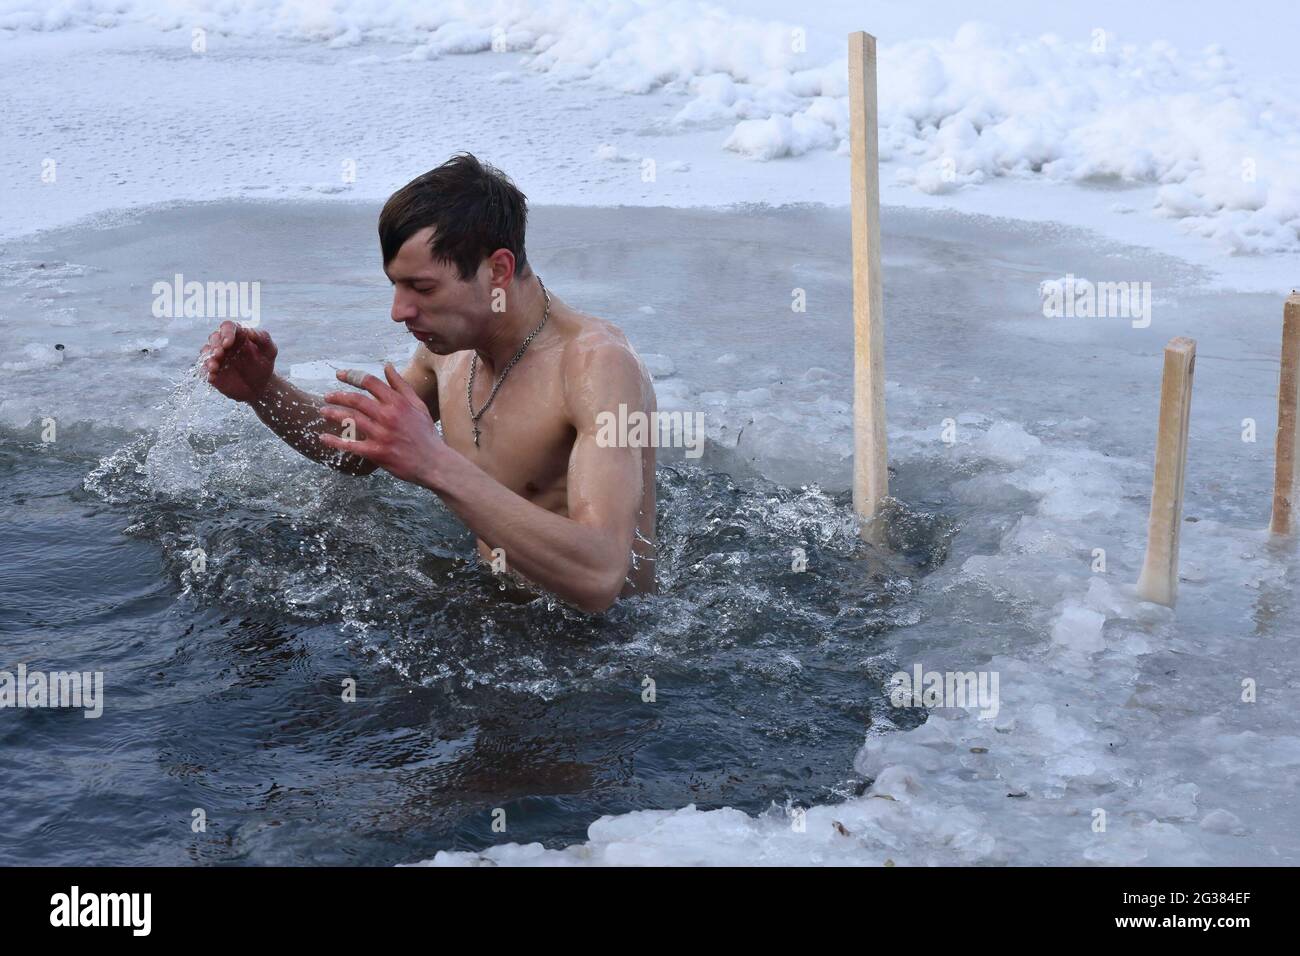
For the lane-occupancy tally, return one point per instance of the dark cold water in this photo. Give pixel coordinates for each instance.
(224, 685)
(224, 688)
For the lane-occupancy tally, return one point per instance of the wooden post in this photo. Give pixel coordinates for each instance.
(1288, 423)
(870, 454)
(1159, 579)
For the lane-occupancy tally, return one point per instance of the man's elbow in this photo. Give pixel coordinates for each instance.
(601, 592)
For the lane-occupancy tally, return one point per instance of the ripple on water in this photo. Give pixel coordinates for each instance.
(473, 695)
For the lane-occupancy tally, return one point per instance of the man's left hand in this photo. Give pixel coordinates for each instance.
(399, 433)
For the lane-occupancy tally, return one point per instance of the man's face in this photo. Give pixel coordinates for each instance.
(440, 309)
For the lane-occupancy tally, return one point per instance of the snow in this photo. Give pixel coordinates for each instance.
(1210, 146)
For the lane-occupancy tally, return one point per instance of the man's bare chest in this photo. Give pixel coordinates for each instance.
(524, 436)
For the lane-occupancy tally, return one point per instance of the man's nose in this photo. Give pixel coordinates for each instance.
(404, 307)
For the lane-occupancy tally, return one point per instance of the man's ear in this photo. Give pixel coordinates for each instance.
(501, 266)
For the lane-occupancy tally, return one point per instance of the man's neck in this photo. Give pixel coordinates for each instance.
(525, 305)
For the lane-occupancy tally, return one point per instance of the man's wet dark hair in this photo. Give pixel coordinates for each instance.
(474, 208)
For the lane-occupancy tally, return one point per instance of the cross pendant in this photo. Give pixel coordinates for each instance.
(475, 436)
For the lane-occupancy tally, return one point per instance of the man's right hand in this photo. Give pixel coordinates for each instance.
(239, 361)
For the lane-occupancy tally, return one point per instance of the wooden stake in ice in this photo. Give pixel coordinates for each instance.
(1159, 579)
(1288, 424)
(870, 455)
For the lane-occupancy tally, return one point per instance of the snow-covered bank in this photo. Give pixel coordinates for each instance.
(659, 103)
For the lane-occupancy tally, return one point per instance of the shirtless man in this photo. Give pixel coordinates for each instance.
(521, 467)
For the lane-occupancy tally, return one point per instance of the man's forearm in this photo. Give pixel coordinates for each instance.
(295, 416)
(582, 565)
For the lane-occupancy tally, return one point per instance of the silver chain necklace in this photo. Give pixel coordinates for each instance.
(473, 367)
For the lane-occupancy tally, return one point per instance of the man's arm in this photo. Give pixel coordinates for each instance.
(240, 364)
(584, 557)
(295, 416)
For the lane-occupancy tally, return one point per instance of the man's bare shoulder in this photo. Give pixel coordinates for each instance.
(599, 361)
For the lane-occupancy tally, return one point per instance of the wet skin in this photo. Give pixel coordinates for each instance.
(574, 517)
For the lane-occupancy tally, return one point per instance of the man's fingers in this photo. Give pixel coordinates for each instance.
(362, 403)
(362, 448)
(354, 376)
(399, 384)
(222, 340)
(226, 341)
(341, 415)
(262, 339)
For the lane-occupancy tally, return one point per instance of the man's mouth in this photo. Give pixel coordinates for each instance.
(422, 336)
